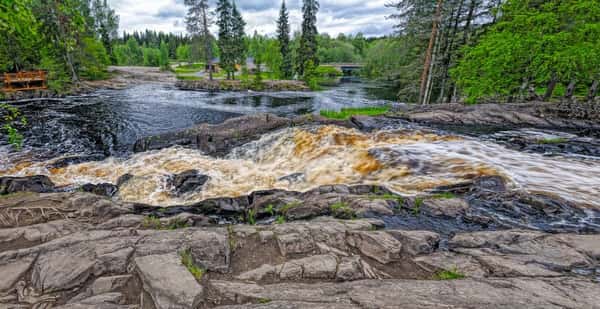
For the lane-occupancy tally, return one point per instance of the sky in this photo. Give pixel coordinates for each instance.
(335, 16)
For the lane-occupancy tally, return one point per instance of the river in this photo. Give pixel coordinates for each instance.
(408, 160)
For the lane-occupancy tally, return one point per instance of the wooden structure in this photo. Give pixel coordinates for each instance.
(23, 81)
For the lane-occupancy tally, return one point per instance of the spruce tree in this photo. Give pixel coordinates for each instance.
(283, 35)
(239, 46)
(308, 39)
(225, 23)
(198, 22)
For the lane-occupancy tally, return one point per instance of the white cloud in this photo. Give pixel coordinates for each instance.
(335, 16)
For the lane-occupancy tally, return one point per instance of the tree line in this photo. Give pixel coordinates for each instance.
(490, 50)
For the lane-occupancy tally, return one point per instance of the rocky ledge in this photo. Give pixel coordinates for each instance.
(237, 85)
(543, 115)
(81, 250)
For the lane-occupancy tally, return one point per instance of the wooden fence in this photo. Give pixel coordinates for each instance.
(23, 81)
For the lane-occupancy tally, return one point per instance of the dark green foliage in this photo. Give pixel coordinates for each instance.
(283, 36)
(238, 34)
(11, 117)
(163, 58)
(307, 53)
(226, 37)
(534, 45)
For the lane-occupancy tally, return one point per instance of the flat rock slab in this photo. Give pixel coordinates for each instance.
(483, 293)
(168, 282)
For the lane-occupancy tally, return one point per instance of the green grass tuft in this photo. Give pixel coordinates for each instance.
(444, 195)
(285, 208)
(417, 207)
(342, 210)
(189, 77)
(251, 217)
(280, 220)
(188, 261)
(452, 274)
(346, 113)
(264, 300)
(552, 140)
(151, 222)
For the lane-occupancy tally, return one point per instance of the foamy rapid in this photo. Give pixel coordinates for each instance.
(406, 161)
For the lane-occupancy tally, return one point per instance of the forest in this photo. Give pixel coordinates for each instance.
(443, 51)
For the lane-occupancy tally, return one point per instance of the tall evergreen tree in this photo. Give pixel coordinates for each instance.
(225, 23)
(283, 35)
(237, 31)
(308, 40)
(198, 22)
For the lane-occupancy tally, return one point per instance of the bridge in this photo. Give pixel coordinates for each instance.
(23, 81)
(347, 68)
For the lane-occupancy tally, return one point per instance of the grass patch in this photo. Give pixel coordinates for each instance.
(452, 274)
(444, 195)
(552, 140)
(341, 210)
(188, 261)
(264, 300)
(396, 198)
(280, 220)
(151, 222)
(251, 217)
(270, 210)
(416, 210)
(189, 77)
(285, 208)
(346, 113)
(231, 238)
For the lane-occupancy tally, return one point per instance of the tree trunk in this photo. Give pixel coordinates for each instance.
(593, 91)
(469, 20)
(570, 89)
(550, 89)
(428, 55)
(429, 87)
(449, 52)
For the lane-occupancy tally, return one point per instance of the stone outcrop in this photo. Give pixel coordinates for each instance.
(81, 250)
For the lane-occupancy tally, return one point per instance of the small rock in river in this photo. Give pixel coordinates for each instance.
(188, 181)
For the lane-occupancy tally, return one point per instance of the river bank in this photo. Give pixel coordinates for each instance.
(238, 85)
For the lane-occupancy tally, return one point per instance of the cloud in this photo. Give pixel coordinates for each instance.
(335, 16)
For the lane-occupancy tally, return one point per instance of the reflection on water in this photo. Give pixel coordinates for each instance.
(406, 161)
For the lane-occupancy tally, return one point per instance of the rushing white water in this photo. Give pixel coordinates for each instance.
(406, 161)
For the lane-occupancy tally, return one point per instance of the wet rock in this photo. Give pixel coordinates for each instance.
(377, 245)
(72, 160)
(124, 179)
(216, 140)
(104, 189)
(293, 178)
(188, 181)
(540, 115)
(445, 207)
(168, 282)
(38, 184)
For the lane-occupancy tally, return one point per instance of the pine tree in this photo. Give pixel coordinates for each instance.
(308, 39)
(198, 22)
(283, 35)
(225, 23)
(239, 46)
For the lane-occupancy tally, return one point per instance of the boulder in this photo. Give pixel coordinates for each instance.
(377, 245)
(188, 182)
(38, 184)
(417, 242)
(168, 282)
(104, 189)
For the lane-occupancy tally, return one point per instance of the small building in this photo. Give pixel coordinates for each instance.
(216, 66)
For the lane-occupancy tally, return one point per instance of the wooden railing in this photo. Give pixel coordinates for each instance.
(23, 81)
